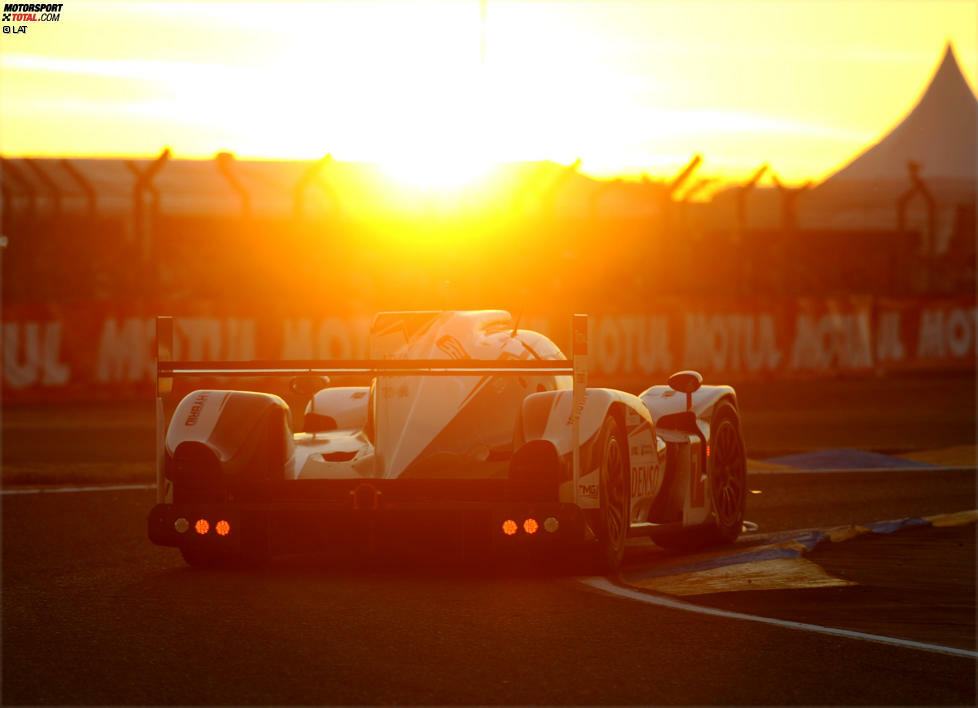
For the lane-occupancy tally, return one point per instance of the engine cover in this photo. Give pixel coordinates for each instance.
(227, 445)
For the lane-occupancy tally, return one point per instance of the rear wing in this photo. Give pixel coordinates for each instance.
(167, 369)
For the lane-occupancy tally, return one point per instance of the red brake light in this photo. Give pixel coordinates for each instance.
(510, 527)
(202, 526)
(531, 526)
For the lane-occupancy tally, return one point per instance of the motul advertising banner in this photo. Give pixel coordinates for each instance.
(104, 350)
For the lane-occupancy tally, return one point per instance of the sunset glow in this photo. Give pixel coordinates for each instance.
(628, 87)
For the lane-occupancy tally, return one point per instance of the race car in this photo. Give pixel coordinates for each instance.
(472, 434)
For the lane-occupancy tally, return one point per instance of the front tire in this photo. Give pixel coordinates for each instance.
(614, 494)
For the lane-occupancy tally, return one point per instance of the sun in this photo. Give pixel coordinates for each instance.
(444, 140)
(436, 172)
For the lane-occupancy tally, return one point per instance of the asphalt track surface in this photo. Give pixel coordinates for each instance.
(94, 614)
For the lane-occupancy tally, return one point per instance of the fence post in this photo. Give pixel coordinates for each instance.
(550, 192)
(787, 255)
(24, 185)
(224, 161)
(86, 186)
(740, 203)
(48, 183)
(310, 175)
(143, 182)
(928, 240)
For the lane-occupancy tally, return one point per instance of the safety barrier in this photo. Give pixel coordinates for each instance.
(99, 350)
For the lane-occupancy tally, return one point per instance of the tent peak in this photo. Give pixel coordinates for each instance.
(939, 132)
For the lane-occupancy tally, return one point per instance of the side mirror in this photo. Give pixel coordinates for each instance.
(686, 382)
(308, 385)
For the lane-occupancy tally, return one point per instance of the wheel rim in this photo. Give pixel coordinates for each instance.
(728, 474)
(615, 490)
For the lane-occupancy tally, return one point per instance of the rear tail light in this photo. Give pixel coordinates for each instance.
(202, 526)
(530, 526)
(181, 525)
(223, 528)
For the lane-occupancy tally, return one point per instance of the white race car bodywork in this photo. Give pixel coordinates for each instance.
(410, 425)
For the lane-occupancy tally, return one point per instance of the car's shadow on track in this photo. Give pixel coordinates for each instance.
(420, 566)
(430, 566)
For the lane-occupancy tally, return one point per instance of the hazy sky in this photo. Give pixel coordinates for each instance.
(627, 86)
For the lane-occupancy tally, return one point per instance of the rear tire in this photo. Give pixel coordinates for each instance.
(728, 487)
(614, 494)
(728, 475)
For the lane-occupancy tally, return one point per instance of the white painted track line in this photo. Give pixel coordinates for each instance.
(72, 490)
(604, 585)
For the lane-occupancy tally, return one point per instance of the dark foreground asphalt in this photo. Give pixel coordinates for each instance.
(93, 614)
